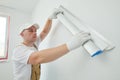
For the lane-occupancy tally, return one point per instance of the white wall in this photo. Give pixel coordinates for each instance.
(16, 19)
(104, 16)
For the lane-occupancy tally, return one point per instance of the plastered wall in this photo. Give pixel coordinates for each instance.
(102, 15)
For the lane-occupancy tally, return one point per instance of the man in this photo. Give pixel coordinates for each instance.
(26, 54)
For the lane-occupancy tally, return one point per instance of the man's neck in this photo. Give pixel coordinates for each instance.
(28, 43)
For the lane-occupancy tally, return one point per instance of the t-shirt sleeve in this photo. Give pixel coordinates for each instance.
(21, 54)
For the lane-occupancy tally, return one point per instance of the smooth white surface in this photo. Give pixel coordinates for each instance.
(76, 25)
(19, 5)
(104, 17)
(74, 28)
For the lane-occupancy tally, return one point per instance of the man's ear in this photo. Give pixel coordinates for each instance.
(21, 34)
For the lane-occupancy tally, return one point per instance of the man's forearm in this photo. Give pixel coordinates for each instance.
(48, 55)
(47, 27)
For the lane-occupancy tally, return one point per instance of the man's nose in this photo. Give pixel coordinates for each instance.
(34, 33)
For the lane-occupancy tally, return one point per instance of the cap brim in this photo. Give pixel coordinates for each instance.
(25, 26)
(36, 26)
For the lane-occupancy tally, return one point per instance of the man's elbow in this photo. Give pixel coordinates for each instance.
(34, 59)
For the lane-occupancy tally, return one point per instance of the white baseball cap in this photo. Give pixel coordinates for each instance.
(27, 25)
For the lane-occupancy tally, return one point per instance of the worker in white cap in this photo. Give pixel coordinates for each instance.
(26, 54)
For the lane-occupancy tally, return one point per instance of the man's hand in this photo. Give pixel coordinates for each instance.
(78, 40)
(54, 13)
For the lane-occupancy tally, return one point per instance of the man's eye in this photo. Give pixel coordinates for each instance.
(30, 30)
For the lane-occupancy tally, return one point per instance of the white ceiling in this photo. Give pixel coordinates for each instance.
(20, 5)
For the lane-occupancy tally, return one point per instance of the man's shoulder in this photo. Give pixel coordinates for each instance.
(20, 46)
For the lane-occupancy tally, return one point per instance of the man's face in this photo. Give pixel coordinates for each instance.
(29, 34)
